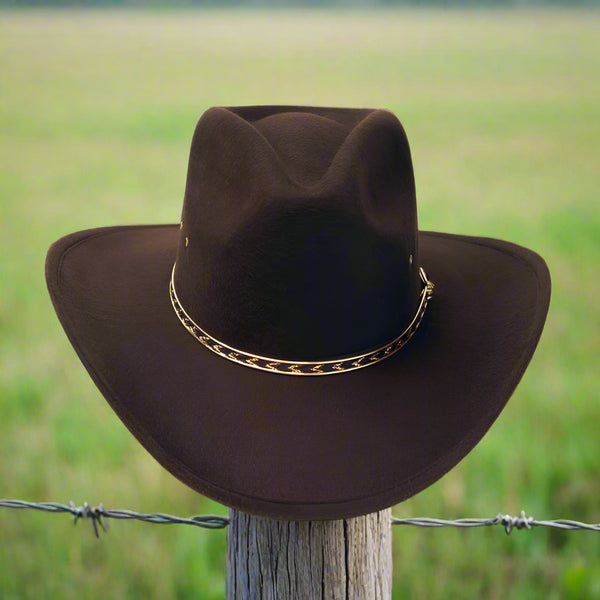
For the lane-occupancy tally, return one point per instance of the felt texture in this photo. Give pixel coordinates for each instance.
(302, 244)
(297, 231)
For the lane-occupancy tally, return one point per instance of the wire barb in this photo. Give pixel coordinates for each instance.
(99, 516)
(520, 522)
(95, 514)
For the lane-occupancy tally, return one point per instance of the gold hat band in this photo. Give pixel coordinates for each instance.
(276, 365)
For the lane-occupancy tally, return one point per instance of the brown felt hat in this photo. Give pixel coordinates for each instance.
(296, 347)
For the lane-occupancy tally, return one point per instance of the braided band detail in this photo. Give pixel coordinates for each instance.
(288, 367)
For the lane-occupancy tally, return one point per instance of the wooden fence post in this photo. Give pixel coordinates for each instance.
(349, 559)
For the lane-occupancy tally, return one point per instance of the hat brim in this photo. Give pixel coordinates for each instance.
(291, 447)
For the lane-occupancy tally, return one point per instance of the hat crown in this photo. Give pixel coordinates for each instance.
(299, 230)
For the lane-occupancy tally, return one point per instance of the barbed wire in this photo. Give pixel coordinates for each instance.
(509, 523)
(99, 515)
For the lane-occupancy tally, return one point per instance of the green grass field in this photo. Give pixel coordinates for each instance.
(97, 110)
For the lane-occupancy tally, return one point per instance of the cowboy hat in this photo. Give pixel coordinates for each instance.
(295, 347)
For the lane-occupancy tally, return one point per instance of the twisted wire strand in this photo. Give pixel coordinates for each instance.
(99, 515)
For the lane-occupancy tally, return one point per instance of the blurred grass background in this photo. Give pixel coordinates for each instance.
(502, 109)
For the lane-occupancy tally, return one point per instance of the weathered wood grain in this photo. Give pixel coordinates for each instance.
(349, 559)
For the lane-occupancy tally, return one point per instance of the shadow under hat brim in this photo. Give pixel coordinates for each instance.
(290, 447)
